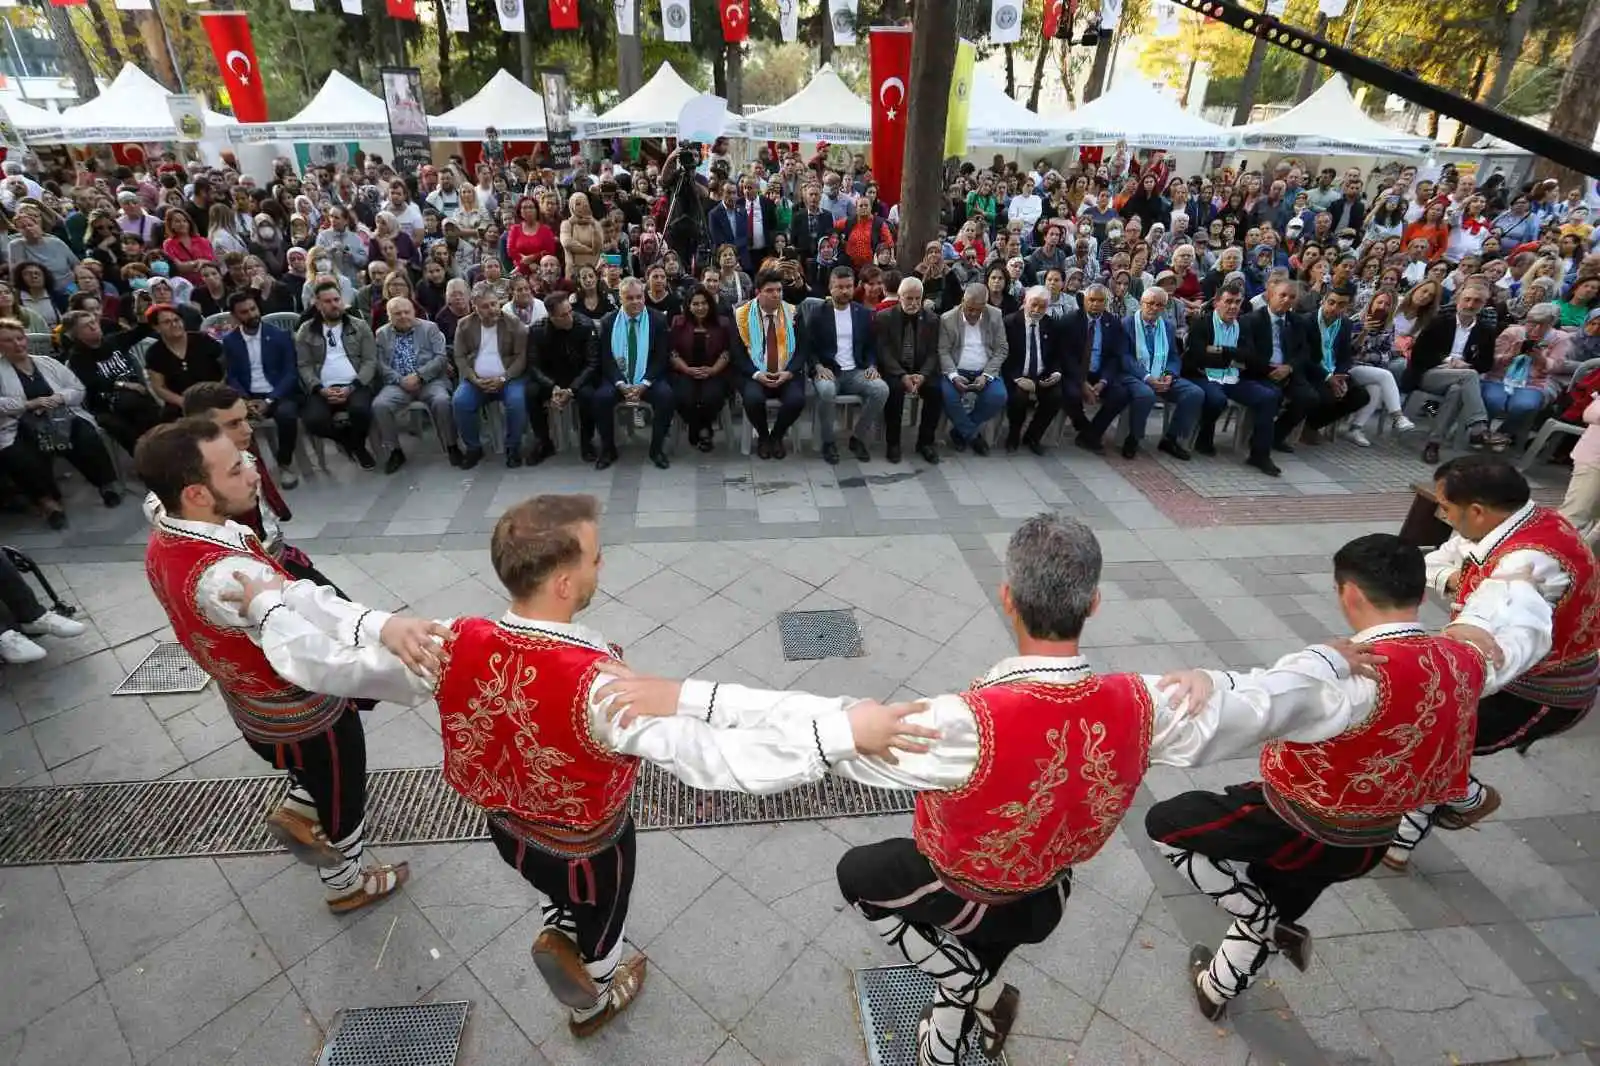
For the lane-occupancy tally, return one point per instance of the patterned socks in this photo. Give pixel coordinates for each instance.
(961, 984)
(342, 880)
(1245, 947)
(601, 971)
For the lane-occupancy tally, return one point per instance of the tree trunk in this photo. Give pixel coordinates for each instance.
(72, 55)
(446, 97)
(1308, 76)
(825, 37)
(154, 37)
(1102, 63)
(1478, 73)
(1577, 109)
(1250, 82)
(719, 72)
(735, 78)
(108, 45)
(1510, 49)
(1011, 71)
(1038, 74)
(525, 54)
(630, 59)
(933, 66)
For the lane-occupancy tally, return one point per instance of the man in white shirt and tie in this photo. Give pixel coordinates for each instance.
(338, 361)
(1033, 371)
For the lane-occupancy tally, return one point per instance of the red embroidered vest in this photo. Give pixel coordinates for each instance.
(1058, 766)
(1570, 674)
(1351, 790)
(266, 707)
(514, 711)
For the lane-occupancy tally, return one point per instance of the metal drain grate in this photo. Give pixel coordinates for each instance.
(892, 999)
(180, 819)
(167, 668)
(820, 635)
(424, 1034)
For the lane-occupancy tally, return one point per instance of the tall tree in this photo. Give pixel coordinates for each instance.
(1308, 72)
(72, 53)
(1516, 35)
(933, 64)
(630, 58)
(1251, 79)
(442, 37)
(1038, 73)
(1577, 109)
(1011, 70)
(103, 36)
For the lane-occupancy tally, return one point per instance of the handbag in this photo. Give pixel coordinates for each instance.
(51, 430)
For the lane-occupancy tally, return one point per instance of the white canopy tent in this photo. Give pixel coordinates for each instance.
(132, 108)
(30, 122)
(1140, 115)
(996, 120)
(341, 111)
(1329, 120)
(825, 110)
(650, 112)
(514, 110)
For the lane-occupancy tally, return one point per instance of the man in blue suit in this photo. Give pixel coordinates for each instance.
(1108, 362)
(728, 223)
(1158, 374)
(259, 362)
(843, 356)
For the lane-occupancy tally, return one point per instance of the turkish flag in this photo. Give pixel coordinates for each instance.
(402, 9)
(1053, 10)
(563, 14)
(735, 20)
(67, 3)
(891, 71)
(236, 59)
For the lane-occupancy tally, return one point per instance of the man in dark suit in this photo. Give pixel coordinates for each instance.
(908, 358)
(1277, 338)
(635, 355)
(1033, 371)
(810, 224)
(564, 371)
(1320, 392)
(842, 353)
(727, 224)
(259, 362)
(761, 220)
(1107, 360)
(769, 356)
(1448, 359)
(1219, 358)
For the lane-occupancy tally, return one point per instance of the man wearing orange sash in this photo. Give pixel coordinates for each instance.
(1499, 530)
(1365, 747)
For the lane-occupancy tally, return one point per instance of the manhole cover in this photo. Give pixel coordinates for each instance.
(167, 668)
(820, 635)
(892, 999)
(424, 1034)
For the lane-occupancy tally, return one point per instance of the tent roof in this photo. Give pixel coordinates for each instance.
(341, 111)
(1329, 120)
(514, 110)
(1144, 117)
(652, 111)
(996, 120)
(132, 108)
(824, 110)
(26, 116)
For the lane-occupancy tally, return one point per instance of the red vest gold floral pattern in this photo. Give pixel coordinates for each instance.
(266, 707)
(1569, 675)
(1057, 768)
(1411, 751)
(514, 713)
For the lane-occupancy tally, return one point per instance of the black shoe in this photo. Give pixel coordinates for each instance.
(1264, 464)
(956, 442)
(1090, 444)
(858, 449)
(929, 454)
(1295, 943)
(1199, 963)
(586, 452)
(397, 459)
(979, 445)
(1205, 445)
(513, 459)
(1130, 449)
(1430, 453)
(110, 497)
(454, 453)
(1012, 446)
(56, 520)
(705, 443)
(778, 449)
(892, 453)
(764, 449)
(542, 450)
(830, 453)
(471, 458)
(659, 458)
(1283, 446)
(1035, 447)
(364, 457)
(1174, 449)
(605, 459)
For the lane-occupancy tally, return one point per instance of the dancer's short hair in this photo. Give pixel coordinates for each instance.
(1490, 481)
(536, 538)
(169, 459)
(1053, 570)
(1389, 572)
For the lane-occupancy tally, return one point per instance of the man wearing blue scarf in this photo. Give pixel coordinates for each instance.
(1157, 375)
(1320, 391)
(635, 354)
(1219, 358)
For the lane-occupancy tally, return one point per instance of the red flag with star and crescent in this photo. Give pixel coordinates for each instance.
(236, 59)
(401, 9)
(891, 73)
(1053, 10)
(563, 14)
(735, 20)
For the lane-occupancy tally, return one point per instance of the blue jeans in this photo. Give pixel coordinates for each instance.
(469, 400)
(1517, 405)
(1257, 397)
(1129, 392)
(991, 401)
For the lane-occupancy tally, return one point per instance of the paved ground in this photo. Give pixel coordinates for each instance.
(1487, 952)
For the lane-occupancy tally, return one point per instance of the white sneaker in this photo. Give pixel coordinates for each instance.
(287, 477)
(1355, 436)
(1402, 424)
(17, 649)
(51, 624)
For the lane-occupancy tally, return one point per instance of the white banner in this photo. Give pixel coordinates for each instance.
(842, 15)
(350, 7)
(1005, 21)
(455, 16)
(1276, 8)
(789, 20)
(1110, 15)
(133, 5)
(1166, 19)
(625, 17)
(675, 20)
(302, 5)
(512, 18)
(188, 115)
(1332, 8)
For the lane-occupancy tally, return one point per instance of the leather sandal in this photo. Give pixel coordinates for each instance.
(303, 838)
(625, 988)
(377, 882)
(1450, 818)
(559, 963)
(1001, 1019)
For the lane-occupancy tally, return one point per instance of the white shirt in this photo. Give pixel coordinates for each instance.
(535, 315)
(974, 353)
(1459, 343)
(1026, 208)
(487, 363)
(1032, 348)
(336, 367)
(409, 220)
(1447, 559)
(844, 334)
(259, 385)
(758, 225)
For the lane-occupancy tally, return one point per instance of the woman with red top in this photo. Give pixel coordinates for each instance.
(528, 239)
(863, 234)
(186, 250)
(1431, 227)
(700, 358)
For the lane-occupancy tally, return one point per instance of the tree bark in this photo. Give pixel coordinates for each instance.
(1251, 82)
(154, 37)
(72, 54)
(102, 33)
(1102, 63)
(719, 72)
(446, 97)
(1500, 82)
(933, 65)
(1577, 107)
(630, 59)
(736, 78)
(1308, 75)
(825, 37)
(1011, 71)
(1479, 72)
(525, 55)
(1038, 74)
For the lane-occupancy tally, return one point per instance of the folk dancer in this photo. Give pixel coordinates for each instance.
(527, 738)
(1499, 531)
(288, 687)
(1373, 729)
(1032, 771)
